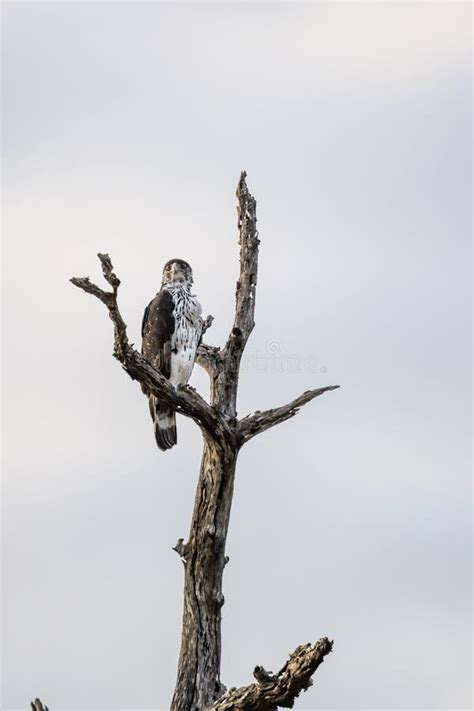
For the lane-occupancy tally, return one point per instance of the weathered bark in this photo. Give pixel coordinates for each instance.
(198, 684)
(279, 690)
(198, 681)
(225, 396)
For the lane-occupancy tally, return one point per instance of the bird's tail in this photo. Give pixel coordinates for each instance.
(164, 424)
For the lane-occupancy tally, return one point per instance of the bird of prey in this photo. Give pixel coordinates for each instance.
(171, 331)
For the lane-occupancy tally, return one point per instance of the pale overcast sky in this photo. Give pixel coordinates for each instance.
(125, 128)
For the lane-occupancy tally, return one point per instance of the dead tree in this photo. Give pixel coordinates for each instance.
(198, 684)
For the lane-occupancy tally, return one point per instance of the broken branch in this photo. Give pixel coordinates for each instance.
(277, 690)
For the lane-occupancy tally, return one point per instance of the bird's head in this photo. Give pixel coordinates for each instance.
(177, 270)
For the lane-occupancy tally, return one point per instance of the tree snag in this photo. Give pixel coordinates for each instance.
(198, 684)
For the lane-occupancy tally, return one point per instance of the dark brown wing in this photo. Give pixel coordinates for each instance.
(157, 330)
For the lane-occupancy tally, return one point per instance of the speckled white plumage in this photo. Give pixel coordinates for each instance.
(187, 332)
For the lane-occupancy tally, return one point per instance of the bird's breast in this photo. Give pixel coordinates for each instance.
(188, 325)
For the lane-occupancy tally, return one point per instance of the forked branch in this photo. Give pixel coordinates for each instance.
(273, 691)
(260, 421)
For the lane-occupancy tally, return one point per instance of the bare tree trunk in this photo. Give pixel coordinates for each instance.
(198, 681)
(198, 684)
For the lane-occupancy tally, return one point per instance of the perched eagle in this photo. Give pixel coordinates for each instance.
(171, 332)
